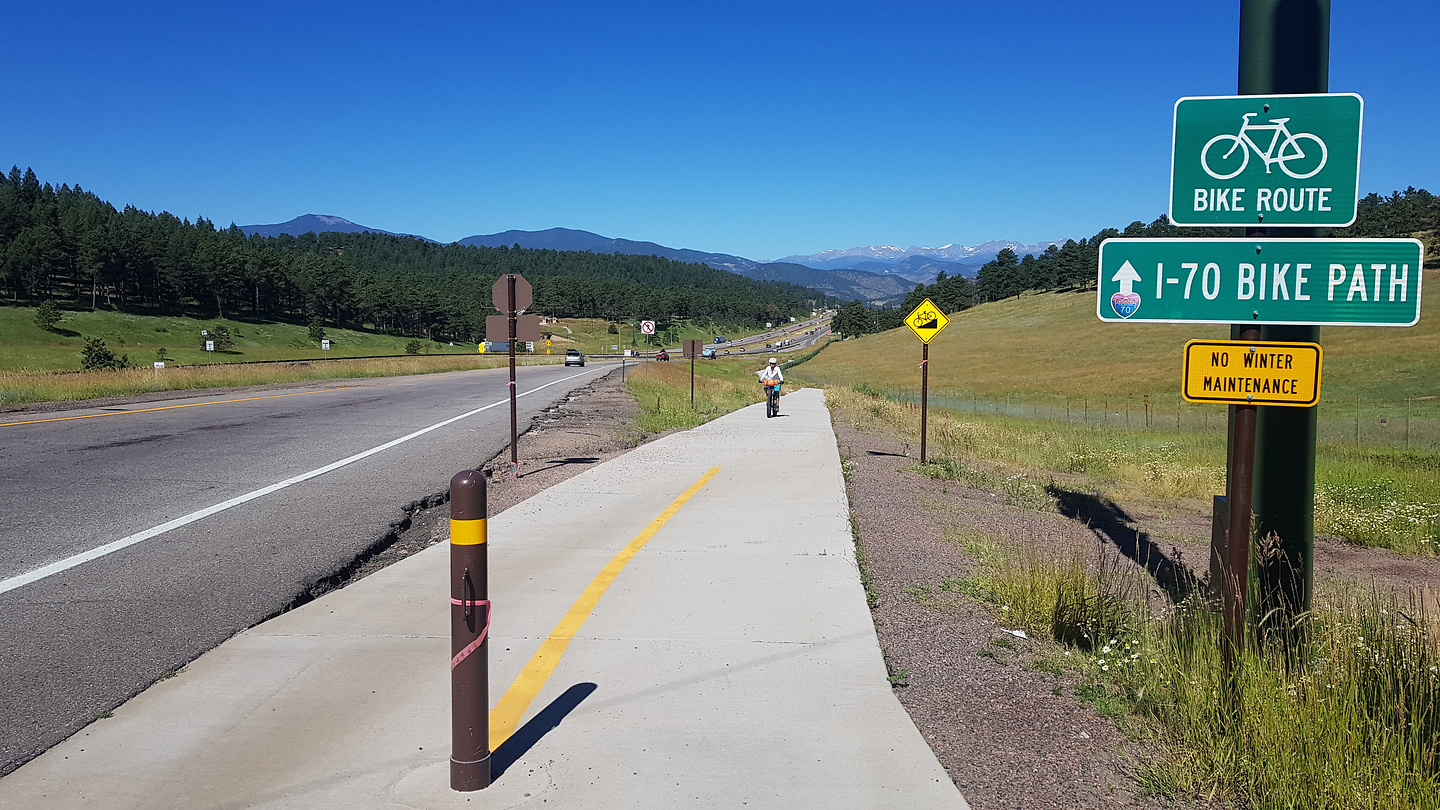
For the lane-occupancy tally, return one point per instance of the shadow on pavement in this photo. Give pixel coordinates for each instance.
(561, 462)
(541, 724)
(1109, 522)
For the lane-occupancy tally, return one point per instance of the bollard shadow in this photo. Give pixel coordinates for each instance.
(1109, 522)
(883, 453)
(561, 462)
(541, 724)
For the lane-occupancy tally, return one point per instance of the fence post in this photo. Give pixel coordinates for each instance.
(469, 634)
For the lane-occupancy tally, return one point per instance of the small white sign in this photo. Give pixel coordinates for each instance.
(768, 324)
(209, 345)
(629, 353)
(647, 327)
(159, 364)
(325, 345)
(204, 332)
(614, 348)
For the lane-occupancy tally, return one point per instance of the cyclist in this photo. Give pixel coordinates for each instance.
(772, 375)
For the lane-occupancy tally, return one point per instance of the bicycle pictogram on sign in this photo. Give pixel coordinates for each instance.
(1285, 148)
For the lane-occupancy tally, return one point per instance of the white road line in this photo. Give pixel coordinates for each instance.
(42, 572)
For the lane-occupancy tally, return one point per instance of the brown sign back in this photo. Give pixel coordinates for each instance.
(524, 294)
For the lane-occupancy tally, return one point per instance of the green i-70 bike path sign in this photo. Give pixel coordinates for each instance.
(1340, 282)
(1266, 160)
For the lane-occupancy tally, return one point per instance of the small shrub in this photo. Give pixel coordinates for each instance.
(221, 336)
(611, 330)
(317, 329)
(95, 357)
(413, 347)
(47, 316)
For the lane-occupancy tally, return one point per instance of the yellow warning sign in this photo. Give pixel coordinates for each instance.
(1240, 373)
(926, 321)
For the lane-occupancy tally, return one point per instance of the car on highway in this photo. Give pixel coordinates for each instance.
(662, 355)
(573, 357)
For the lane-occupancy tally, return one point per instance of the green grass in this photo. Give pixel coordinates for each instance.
(18, 387)
(663, 391)
(1384, 497)
(1052, 343)
(26, 347)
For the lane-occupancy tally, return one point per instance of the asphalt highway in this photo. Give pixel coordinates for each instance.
(138, 537)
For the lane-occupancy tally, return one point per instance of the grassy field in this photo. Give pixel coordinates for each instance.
(663, 391)
(21, 387)
(24, 346)
(1048, 354)
(1052, 343)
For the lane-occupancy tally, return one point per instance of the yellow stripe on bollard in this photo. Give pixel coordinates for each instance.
(467, 532)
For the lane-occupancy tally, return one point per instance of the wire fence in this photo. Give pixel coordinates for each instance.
(1411, 423)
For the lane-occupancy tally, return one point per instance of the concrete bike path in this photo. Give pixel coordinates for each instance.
(731, 663)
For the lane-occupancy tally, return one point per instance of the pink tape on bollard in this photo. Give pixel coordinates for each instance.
(484, 632)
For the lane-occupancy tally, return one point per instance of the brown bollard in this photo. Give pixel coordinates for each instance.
(469, 634)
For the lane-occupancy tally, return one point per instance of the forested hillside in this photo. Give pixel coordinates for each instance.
(1412, 212)
(68, 245)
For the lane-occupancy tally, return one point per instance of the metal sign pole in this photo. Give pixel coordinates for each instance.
(510, 310)
(924, 394)
(1237, 552)
(1285, 48)
(692, 378)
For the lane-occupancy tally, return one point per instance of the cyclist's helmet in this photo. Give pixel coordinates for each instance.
(772, 361)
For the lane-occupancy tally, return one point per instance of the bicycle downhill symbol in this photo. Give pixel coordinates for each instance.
(1285, 148)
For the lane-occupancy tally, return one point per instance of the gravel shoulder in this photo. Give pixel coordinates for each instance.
(1000, 712)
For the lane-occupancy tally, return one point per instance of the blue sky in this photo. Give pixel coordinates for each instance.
(756, 128)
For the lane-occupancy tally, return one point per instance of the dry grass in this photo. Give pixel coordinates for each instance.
(17, 387)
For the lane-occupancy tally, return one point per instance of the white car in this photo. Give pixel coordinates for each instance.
(573, 357)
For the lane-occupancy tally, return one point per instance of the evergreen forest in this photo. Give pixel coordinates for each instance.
(67, 245)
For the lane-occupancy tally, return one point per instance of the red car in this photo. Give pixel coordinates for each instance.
(662, 355)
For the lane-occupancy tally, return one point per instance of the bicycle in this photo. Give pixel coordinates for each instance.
(772, 397)
(1289, 148)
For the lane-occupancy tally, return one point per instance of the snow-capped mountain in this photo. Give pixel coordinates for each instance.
(890, 254)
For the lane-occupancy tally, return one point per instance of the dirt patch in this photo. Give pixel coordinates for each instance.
(1000, 730)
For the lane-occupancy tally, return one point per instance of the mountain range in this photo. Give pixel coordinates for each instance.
(874, 274)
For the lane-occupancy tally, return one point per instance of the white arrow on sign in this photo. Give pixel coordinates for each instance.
(1127, 276)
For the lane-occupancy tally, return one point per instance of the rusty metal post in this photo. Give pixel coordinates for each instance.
(469, 634)
(1237, 546)
(924, 394)
(510, 310)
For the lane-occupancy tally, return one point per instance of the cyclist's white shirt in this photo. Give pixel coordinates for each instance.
(771, 373)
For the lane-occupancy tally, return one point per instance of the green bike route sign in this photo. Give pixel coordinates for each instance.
(1337, 282)
(1266, 160)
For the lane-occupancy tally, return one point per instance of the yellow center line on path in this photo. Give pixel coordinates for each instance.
(512, 706)
(171, 407)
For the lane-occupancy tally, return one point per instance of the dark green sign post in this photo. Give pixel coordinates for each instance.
(1284, 49)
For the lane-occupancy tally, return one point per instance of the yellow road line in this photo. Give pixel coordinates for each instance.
(506, 715)
(170, 407)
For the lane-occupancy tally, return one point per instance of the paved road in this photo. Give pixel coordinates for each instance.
(725, 658)
(80, 641)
